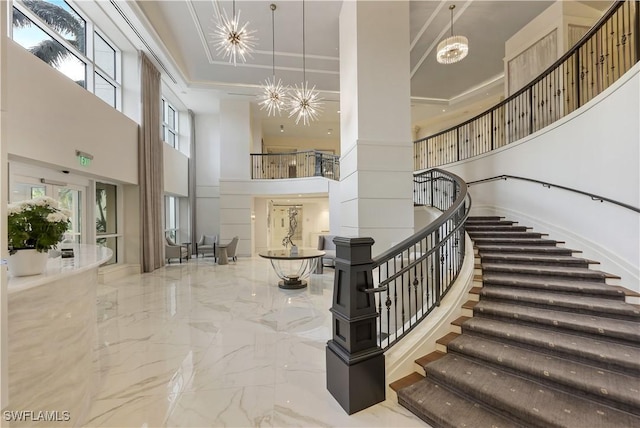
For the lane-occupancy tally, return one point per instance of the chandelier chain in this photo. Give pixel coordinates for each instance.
(273, 40)
(304, 64)
(453, 6)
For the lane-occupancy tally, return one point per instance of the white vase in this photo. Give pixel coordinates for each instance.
(27, 262)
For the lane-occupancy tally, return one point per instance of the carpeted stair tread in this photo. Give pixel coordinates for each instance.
(429, 358)
(617, 389)
(602, 353)
(481, 218)
(593, 305)
(494, 227)
(527, 249)
(515, 241)
(555, 284)
(551, 343)
(442, 408)
(410, 379)
(558, 271)
(534, 259)
(614, 329)
(537, 404)
(503, 234)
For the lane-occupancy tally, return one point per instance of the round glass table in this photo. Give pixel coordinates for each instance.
(308, 257)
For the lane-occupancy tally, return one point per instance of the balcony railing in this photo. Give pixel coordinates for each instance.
(310, 163)
(418, 272)
(604, 54)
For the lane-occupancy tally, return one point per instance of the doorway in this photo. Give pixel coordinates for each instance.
(70, 197)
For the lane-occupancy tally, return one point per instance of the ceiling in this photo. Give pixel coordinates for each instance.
(185, 29)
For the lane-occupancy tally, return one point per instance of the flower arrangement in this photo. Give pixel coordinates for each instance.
(36, 224)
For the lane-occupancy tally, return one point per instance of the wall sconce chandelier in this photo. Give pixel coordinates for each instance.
(453, 48)
(274, 94)
(231, 39)
(304, 103)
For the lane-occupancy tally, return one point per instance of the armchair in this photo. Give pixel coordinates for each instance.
(206, 245)
(227, 251)
(174, 251)
(325, 243)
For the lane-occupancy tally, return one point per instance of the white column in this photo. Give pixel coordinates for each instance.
(235, 173)
(207, 159)
(4, 349)
(376, 167)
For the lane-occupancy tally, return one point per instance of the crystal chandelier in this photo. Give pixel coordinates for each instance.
(453, 48)
(304, 103)
(231, 39)
(274, 94)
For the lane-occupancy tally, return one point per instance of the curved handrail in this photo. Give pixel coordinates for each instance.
(562, 88)
(415, 274)
(430, 228)
(550, 185)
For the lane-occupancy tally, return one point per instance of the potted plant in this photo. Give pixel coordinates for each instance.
(35, 226)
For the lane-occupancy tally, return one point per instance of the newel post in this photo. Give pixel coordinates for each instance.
(355, 362)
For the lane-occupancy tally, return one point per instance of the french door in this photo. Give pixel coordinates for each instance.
(70, 197)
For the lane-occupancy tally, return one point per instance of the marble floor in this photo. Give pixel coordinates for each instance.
(203, 345)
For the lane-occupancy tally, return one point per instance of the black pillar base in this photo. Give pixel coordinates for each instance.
(358, 385)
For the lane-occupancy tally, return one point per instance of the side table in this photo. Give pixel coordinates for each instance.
(222, 255)
(188, 245)
(308, 258)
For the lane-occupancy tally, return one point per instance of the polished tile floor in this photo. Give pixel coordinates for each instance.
(203, 345)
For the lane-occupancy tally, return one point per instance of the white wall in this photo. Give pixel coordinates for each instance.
(176, 171)
(296, 144)
(595, 149)
(236, 204)
(207, 159)
(49, 117)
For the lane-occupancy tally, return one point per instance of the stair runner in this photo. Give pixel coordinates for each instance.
(550, 343)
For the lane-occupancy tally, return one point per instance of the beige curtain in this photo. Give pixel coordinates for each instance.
(575, 34)
(532, 62)
(192, 178)
(150, 170)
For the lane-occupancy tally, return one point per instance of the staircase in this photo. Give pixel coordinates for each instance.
(548, 342)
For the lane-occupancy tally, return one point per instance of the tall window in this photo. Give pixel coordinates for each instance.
(56, 33)
(169, 124)
(172, 224)
(107, 218)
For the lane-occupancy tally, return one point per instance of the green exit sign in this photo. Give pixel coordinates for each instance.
(84, 161)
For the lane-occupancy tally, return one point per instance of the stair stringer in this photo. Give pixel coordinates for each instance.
(609, 261)
(400, 359)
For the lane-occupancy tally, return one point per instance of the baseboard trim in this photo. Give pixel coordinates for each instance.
(115, 272)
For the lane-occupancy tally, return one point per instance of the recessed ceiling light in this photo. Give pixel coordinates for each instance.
(444, 109)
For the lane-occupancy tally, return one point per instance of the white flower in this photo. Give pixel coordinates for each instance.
(45, 201)
(14, 209)
(56, 217)
(66, 212)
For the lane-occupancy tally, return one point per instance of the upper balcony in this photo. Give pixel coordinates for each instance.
(311, 163)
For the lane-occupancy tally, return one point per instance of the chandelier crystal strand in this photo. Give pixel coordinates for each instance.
(232, 40)
(305, 103)
(274, 94)
(453, 48)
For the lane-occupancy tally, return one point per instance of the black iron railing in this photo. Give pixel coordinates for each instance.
(604, 54)
(593, 196)
(419, 271)
(310, 163)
